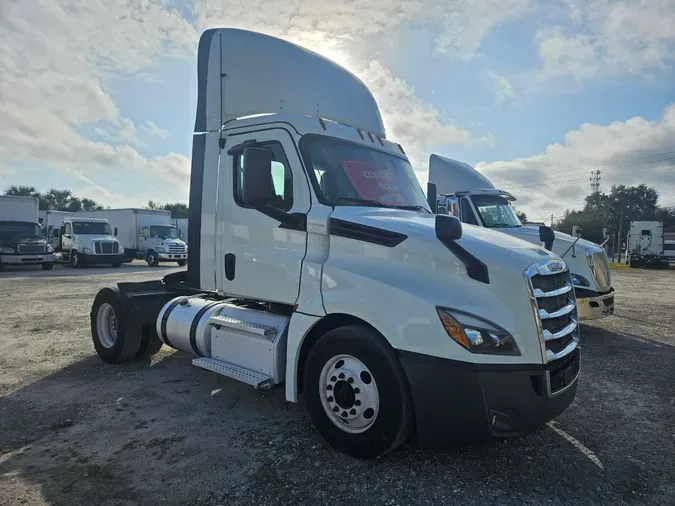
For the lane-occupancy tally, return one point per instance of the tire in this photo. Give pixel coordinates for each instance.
(393, 420)
(126, 343)
(47, 266)
(75, 260)
(152, 258)
(181, 263)
(116, 265)
(150, 343)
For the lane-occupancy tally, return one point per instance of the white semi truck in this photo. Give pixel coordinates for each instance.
(148, 234)
(80, 241)
(21, 240)
(317, 264)
(645, 246)
(467, 194)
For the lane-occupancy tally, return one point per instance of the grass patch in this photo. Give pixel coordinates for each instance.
(618, 266)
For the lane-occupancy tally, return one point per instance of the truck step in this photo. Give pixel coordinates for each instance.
(231, 322)
(255, 379)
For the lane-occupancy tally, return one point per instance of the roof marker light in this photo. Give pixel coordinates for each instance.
(360, 133)
(370, 136)
(380, 139)
(401, 148)
(322, 123)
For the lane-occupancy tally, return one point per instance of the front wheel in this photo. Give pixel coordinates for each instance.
(47, 266)
(75, 260)
(357, 393)
(116, 265)
(181, 263)
(152, 258)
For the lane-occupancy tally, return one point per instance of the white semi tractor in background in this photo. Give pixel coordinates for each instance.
(80, 241)
(21, 240)
(470, 196)
(645, 245)
(316, 263)
(148, 234)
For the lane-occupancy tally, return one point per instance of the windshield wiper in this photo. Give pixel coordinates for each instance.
(367, 202)
(412, 208)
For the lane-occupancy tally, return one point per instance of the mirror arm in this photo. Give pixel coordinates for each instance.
(288, 219)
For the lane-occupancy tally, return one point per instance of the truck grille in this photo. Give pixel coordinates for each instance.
(31, 249)
(597, 262)
(106, 248)
(176, 248)
(551, 285)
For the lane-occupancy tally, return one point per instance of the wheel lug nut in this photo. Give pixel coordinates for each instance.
(341, 375)
(336, 409)
(333, 378)
(330, 399)
(357, 402)
(344, 414)
(350, 380)
(329, 387)
(352, 412)
(357, 390)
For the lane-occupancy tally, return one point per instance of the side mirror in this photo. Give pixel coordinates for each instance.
(115, 232)
(547, 236)
(432, 197)
(145, 232)
(605, 233)
(448, 228)
(258, 188)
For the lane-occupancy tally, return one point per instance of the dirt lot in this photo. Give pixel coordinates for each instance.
(74, 431)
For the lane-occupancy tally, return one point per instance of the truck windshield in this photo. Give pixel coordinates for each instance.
(19, 230)
(348, 174)
(91, 228)
(164, 231)
(495, 211)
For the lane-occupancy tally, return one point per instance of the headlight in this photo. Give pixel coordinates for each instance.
(6, 250)
(476, 334)
(579, 280)
(159, 249)
(87, 251)
(121, 250)
(50, 249)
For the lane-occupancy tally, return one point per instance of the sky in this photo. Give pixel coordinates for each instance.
(99, 96)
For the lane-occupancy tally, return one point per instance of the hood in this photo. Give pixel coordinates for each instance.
(95, 237)
(492, 247)
(451, 176)
(22, 240)
(527, 232)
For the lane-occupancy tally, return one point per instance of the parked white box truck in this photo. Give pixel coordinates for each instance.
(148, 234)
(645, 246)
(467, 194)
(21, 240)
(389, 318)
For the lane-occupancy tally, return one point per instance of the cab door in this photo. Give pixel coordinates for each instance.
(259, 257)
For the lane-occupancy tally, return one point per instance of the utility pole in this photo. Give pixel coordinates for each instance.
(620, 234)
(551, 219)
(595, 181)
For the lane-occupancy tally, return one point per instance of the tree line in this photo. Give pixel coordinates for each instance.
(615, 210)
(66, 200)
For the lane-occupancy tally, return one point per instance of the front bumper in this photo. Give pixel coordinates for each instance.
(47, 258)
(171, 256)
(457, 402)
(103, 259)
(596, 306)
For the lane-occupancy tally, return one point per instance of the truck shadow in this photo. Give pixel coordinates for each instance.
(165, 432)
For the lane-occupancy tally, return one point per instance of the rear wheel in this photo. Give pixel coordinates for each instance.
(114, 342)
(116, 265)
(357, 393)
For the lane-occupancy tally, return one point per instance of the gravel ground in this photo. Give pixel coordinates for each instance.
(75, 431)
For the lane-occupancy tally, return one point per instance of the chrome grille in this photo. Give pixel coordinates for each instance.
(597, 262)
(176, 248)
(556, 309)
(31, 249)
(106, 248)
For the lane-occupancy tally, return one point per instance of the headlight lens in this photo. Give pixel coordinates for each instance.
(121, 249)
(159, 249)
(579, 280)
(50, 249)
(87, 251)
(477, 335)
(6, 250)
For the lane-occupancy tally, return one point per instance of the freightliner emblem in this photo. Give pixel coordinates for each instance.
(555, 266)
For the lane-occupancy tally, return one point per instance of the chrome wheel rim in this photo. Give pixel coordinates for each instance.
(106, 325)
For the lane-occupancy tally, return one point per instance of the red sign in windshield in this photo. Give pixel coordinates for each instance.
(382, 185)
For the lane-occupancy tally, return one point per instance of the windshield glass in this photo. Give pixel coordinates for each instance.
(164, 231)
(19, 230)
(495, 211)
(348, 174)
(91, 228)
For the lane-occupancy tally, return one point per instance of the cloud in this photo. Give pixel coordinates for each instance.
(504, 91)
(609, 37)
(151, 129)
(628, 152)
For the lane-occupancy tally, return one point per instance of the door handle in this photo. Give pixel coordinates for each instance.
(230, 263)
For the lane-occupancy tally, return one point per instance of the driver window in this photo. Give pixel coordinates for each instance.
(282, 178)
(467, 213)
(69, 229)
